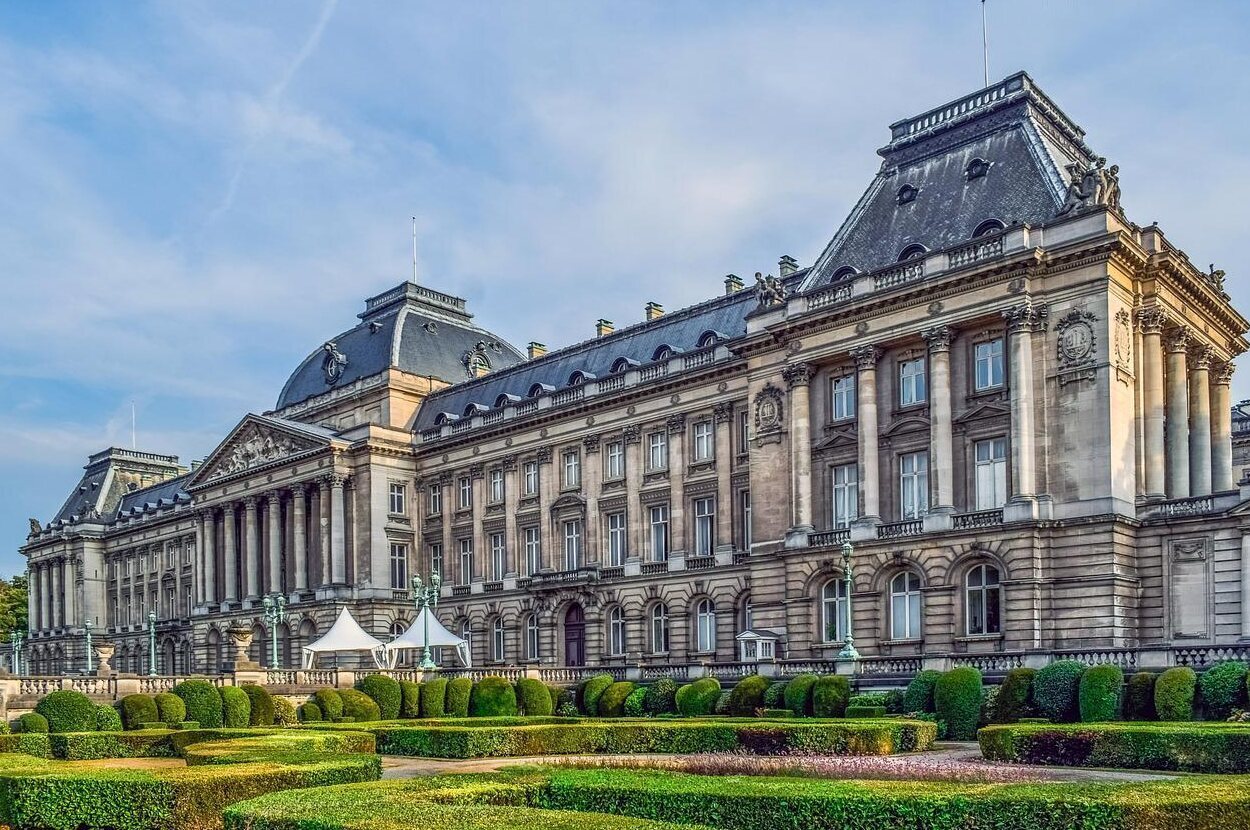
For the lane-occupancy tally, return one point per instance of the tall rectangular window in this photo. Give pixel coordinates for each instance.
(914, 484)
(398, 499)
(530, 478)
(657, 451)
(466, 561)
(989, 364)
(845, 495)
(842, 398)
(744, 516)
(572, 544)
(399, 566)
(496, 486)
(658, 519)
(704, 441)
(436, 499)
(498, 556)
(704, 526)
(617, 536)
(744, 432)
(614, 460)
(991, 473)
(911, 382)
(572, 469)
(171, 555)
(466, 493)
(533, 551)
(436, 559)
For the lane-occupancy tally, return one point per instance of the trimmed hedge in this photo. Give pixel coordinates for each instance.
(865, 711)
(309, 713)
(774, 695)
(409, 699)
(589, 692)
(798, 694)
(434, 698)
(1188, 747)
(385, 692)
(261, 710)
(636, 704)
(1222, 688)
(169, 708)
(1174, 694)
(107, 719)
(957, 699)
(1101, 690)
(919, 694)
(137, 710)
(202, 702)
(492, 697)
(830, 695)
(1139, 697)
(533, 697)
(32, 723)
(661, 697)
(612, 701)
(748, 696)
(1056, 690)
(236, 707)
(67, 711)
(284, 711)
(459, 690)
(1014, 696)
(698, 698)
(359, 706)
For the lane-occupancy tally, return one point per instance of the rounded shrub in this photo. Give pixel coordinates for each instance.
(636, 703)
(1139, 697)
(894, 702)
(612, 701)
(1102, 688)
(798, 694)
(555, 692)
(284, 711)
(1056, 690)
(774, 695)
(698, 698)
(1222, 688)
(661, 697)
(1014, 696)
(492, 697)
(721, 706)
(330, 702)
(409, 699)
(137, 710)
(989, 705)
(459, 690)
(385, 692)
(830, 695)
(32, 723)
(170, 709)
(957, 699)
(202, 702)
(107, 719)
(261, 710)
(591, 691)
(359, 706)
(434, 698)
(533, 697)
(309, 713)
(67, 711)
(236, 707)
(748, 695)
(919, 694)
(1174, 694)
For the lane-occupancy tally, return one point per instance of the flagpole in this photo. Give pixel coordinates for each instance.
(985, 45)
(414, 249)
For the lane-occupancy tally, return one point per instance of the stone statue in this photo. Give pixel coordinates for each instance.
(334, 363)
(769, 290)
(1111, 187)
(35, 527)
(1091, 186)
(1215, 277)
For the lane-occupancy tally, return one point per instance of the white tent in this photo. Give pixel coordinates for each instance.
(414, 637)
(345, 635)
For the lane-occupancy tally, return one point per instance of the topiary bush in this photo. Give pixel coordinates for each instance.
(533, 697)
(612, 701)
(698, 698)
(721, 707)
(774, 695)
(1139, 697)
(459, 690)
(107, 719)
(170, 709)
(409, 699)
(137, 710)
(330, 702)
(359, 706)
(1056, 691)
(236, 707)
(32, 723)
(1174, 694)
(661, 697)
(1014, 696)
(1222, 688)
(748, 696)
(284, 712)
(261, 711)
(919, 694)
(1100, 693)
(830, 696)
(957, 699)
(636, 703)
(202, 702)
(67, 711)
(798, 694)
(492, 697)
(434, 698)
(591, 691)
(894, 702)
(989, 705)
(385, 692)
(310, 713)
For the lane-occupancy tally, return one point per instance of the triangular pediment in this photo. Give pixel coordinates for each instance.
(256, 443)
(982, 411)
(841, 436)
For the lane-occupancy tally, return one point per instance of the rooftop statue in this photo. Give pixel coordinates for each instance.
(769, 290)
(1095, 185)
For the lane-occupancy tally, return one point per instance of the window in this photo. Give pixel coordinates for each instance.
(744, 516)
(991, 471)
(842, 394)
(466, 493)
(658, 516)
(704, 526)
(498, 556)
(171, 602)
(436, 559)
(531, 637)
(398, 499)
(705, 626)
(983, 600)
(617, 536)
(171, 555)
(911, 388)
(659, 629)
(127, 566)
(845, 495)
(496, 486)
(614, 460)
(397, 629)
(748, 614)
(989, 364)
(530, 478)
(532, 551)
(744, 432)
(905, 606)
(657, 451)
(833, 610)
(616, 632)
(572, 545)
(572, 469)
(143, 563)
(914, 484)
(704, 442)
(496, 640)
(466, 561)
(399, 566)
(436, 499)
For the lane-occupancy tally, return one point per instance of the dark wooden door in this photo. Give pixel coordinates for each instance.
(574, 636)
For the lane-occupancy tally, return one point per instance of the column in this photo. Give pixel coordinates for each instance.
(1022, 321)
(231, 560)
(1245, 585)
(176, 611)
(274, 512)
(120, 615)
(338, 530)
(514, 548)
(323, 524)
(941, 452)
(251, 547)
(798, 377)
(1154, 420)
(866, 358)
(1200, 422)
(70, 594)
(1177, 443)
(636, 515)
(1222, 478)
(208, 554)
(32, 598)
(56, 586)
(551, 548)
(592, 478)
(677, 461)
(723, 413)
(45, 596)
(299, 537)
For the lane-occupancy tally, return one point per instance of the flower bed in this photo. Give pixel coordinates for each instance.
(1187, 747)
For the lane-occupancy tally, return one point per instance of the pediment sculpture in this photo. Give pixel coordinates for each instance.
(255, 447)
(1091, 186)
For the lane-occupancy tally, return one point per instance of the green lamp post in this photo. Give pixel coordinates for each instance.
(425, 597)
(17, 637)
(151, 644)
(87, 626)
(275, 612)
(848, 651)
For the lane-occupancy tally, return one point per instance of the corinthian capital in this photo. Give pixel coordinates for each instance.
(1025, 316)
(798, 374)
(1201, 358)
(866, 357)
(1151, 320)
(1176, 341)
(939, 338)
(1223, 374)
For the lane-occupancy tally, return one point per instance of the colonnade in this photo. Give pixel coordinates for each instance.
(50, 599)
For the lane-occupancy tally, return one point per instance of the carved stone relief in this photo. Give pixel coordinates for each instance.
(253, 447)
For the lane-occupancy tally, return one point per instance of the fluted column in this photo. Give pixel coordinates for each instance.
(1245, 585)
(1153, 415)
(866, 358)
(1177, 415)
(69, 591)
(117, 587)
(208, 554)
(323, 525)
(1200, 422)
(299, 537)
(798, 377)
(678, 460)
(274, 511)
(1222, 478)
(723, 413)
(251, 546)
(514, 548)
(338, 531)
(231, 559)
(45, 596)
(1022, 320)
(636, 521)
(941, 452)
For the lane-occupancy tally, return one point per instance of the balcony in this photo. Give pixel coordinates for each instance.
(700, 563)
(652, 568)
(981, 518)
(829, 538)
(897, 530)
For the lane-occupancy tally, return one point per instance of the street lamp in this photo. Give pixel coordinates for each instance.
(275, 612)
(848, 651)
(426, 597)
(87, 626)
(151, 644)
(17, 637)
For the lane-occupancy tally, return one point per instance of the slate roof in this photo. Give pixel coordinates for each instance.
(102, 491)
(1026, 140)
(164, 494)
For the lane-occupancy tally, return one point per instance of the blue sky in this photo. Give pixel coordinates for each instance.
(197, 194)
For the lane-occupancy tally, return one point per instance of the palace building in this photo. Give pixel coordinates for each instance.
(1010, 399)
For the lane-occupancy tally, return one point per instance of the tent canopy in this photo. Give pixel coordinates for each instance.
(345, 635)
(414, 637)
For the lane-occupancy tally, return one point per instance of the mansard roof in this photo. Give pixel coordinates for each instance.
(109, 478)
(1000, 153)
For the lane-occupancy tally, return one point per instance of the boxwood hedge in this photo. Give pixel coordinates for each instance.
(612, 701)
(533, 697)
(409, 699)
(830, 696)
(169, 708)
(434, 698)
(385, 692)
(1174, 694)
(957, 699)
(1187, 747)
(798, 694)
(235, 706)
(330, 702)
(635, 704)
(492, 697)
(748, 695)
(67, 711)
(919, 694)
(1015, 696)
(1139, 697)
(698, 698)
(359, 706)
(202, 702)
(1100, 691)
(459, 690)
(1056, 690)
(261, 711)
(107, 719)
(661, 697)
(1221, 687)
(137, 710)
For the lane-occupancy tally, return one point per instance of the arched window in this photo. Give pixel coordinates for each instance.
(845, 272)
(540, 389)
(984, 600)
(398, 628)
(709, 338)
(579, 377)
(912, 252)
(988, 227)
(616, 631)
(622, 364)
(905, 606)
(531, 637)
(496, 640)
(833, 610)
(663, 352)
(746, 616)
(976, 169)
(659, 628)
(705, 626)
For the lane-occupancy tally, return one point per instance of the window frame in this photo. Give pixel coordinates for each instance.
(573, 533)
(529, 478)
(533, 549)
(532, 641)
(618, 538)
(912, 598)
(705, 626)
(498, 641)
(913, 382)
(496, 485)
(983, 591)
(657, 451)
(844, 402)
(836, 632)
(617, 643)
(998, 471)
(843, 515)
(572, 465)
(614, 460)
(436, 558)
(913, 486)
(435, 501)
(659, 637)
(662, 525)
(704, 511)
(703, 445)
(466, 561)
(498, 556)
(993, 361)
(399, 565)
(464, 493)
(397, 498)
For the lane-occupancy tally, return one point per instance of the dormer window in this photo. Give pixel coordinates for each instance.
(988, 227)
(907, 194)
(708, 338)
(912, 252)
(844, 273)
(664, 352)
(976, 169)
(579, 377)
(622, 364)
(540, 389)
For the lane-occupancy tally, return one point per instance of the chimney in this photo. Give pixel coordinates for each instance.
(787, 265)
(733, 284)
(536, 349)
(653, 311)
(603, 327)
